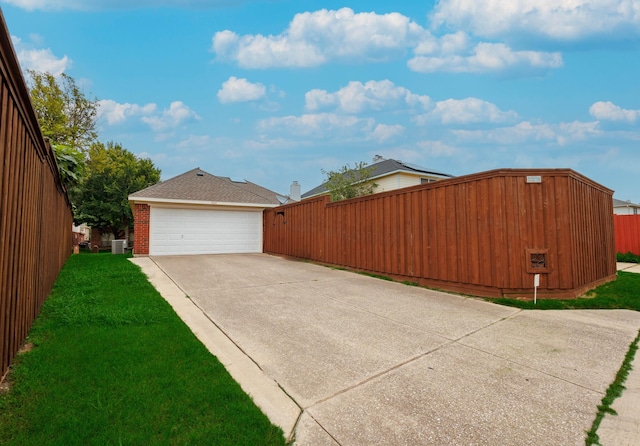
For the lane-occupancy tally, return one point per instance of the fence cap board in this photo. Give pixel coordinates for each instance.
(496, 173)
(12, 74)
(34, 207)
(480, 245)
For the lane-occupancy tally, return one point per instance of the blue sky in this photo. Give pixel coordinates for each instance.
(276, 91)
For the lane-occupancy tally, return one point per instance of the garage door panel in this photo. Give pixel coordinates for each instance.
(189, 231)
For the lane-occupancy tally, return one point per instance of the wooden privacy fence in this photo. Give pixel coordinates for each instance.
(35, 214)
(485, 234)
(627, 233)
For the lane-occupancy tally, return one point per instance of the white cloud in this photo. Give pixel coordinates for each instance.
(324, 126)
(608, 111)
(265, 52)
(314, 38)
(195, 142)
(264, 142)
(466, 111)
(522, 132)
(437, 148)
(172, 117)
(357, 97)
(30, 5)
(317, 99)
(42, 60)
(566, 20)
(384, 132)
(404, 153)
(169, 118)
(318, 125)
(446, 44)
(117, 113)
(481, 58)
(240, 90)
(93, 5)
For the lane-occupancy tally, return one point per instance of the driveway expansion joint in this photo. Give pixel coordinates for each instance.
(204, 313)
(370, 313)
(404, 324)
(381, 373)
(322, 427)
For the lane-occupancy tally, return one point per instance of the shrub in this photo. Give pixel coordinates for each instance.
(629, 257)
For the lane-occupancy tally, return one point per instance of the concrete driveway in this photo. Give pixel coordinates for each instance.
(345, 359)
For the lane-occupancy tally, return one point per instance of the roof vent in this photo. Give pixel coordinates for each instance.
(199, 173)
(238, 180)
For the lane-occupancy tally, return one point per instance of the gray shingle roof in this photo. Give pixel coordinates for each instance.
(198, 185)
(385, 167)
(620, 203)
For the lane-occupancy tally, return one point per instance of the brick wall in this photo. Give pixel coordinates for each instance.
(77, 238)
(141, 232)
(96, 237)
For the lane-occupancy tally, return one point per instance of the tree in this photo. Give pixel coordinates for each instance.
(113, 173)
(66, 116)
(67, 119)
(350, 182)
(71, 164)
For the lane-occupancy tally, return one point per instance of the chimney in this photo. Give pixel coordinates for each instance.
(294, 191)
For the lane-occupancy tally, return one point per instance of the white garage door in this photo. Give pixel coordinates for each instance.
(190, 231)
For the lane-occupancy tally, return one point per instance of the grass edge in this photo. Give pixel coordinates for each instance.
(613, 392)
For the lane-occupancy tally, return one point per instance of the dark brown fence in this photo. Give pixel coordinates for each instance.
(485, 234)
(35, 215)
(627, 233)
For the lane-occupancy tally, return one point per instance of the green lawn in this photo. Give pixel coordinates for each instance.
(112, 364)
(624, 292)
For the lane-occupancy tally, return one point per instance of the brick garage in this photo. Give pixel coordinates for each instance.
(141, 216)
(200, 213)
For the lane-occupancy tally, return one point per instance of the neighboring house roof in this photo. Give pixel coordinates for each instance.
(384, 168)
(624, 204)
(199, 186)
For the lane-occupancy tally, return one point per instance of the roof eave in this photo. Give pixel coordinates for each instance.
(150, 200)
(386, 174)
(410, 172)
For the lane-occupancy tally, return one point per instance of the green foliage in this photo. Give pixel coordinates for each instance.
(113, 364)
(98, 178)
(629, 257)
(113, 173)
(350, 182)
(613, 392)
(68, 119)
(66, 116)
(71, 164)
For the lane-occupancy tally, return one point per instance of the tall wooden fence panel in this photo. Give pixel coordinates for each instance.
(35, 214)
(593, 236)
(485, 234)
(627, 234)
